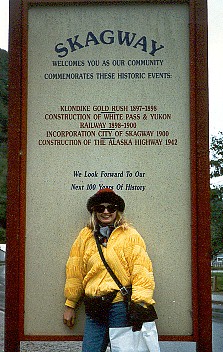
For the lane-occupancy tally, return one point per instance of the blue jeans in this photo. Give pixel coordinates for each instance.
(96, 335)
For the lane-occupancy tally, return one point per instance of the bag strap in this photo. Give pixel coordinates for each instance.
(124, 291)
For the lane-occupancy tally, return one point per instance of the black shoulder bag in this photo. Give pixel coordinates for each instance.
(98, 307)
(124, 291)
(137, 314)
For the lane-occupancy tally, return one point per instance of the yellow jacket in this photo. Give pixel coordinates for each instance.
(126, 255)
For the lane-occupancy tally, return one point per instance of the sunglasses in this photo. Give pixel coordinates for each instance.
(111, 208)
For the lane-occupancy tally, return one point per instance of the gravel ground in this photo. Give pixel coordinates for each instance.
(50, 346)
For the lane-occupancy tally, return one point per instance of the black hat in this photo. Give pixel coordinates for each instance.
(105, 195)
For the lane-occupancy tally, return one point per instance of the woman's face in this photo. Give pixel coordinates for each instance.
(106, 216)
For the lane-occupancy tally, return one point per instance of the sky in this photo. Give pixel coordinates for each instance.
(215, 60)
(4, 23)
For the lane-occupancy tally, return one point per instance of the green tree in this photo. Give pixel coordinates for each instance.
(216, 163)
(216, 220)
(3, 139)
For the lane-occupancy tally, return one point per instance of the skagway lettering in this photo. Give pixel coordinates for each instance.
(148, 141)
(130, 187)
(138, 133)
(107, 37)
(74, 108)
(74, 134)
(120, 142)
(92, 124)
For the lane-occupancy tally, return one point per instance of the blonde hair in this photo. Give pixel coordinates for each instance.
(119, 220)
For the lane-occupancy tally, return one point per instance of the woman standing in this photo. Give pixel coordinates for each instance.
(86, 275)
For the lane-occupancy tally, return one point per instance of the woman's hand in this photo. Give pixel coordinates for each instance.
(69, 316)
